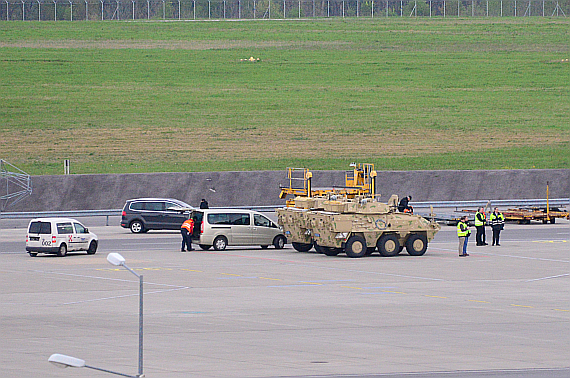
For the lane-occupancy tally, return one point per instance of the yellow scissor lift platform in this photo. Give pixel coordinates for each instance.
(358, 181)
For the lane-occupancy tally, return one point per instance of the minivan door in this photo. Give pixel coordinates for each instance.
(153, 214)
(264, 230)
(173, 219)
(241, 229)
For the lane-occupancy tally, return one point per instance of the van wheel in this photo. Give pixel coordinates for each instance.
(33, 254)
(279, 242)
(302, 247)
(62, 250)
(416, 244)
(388, 245)
(92, 248)
(136, 227)
(356, 246)
(220, 243)
(205, 247)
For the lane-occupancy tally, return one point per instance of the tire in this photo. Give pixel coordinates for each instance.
(388, 245)
(204, 246)
(302, 247)
(220, 243)
(33, 254)
(416, 245)
(356, 246)
(330, 251)
(552, 220)
(92, 248)
(318, 248)
(62, 250)
(279, 242)
(137, 227)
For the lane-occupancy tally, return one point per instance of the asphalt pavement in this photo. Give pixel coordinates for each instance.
(502, 312)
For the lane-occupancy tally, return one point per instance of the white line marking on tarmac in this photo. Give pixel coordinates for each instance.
(547, 278)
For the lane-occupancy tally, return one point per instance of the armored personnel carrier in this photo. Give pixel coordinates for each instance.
(355, 226)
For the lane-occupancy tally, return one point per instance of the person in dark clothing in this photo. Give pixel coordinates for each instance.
(203, 204)
(480, 222)
(497, 221)
(404, 205)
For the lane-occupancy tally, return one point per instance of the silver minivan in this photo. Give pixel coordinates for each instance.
(222, 227)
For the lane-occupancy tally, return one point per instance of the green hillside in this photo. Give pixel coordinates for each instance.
(114, 97)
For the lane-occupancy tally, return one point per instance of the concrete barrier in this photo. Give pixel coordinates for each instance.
(109, 191)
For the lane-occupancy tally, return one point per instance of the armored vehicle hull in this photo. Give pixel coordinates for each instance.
(357, 227)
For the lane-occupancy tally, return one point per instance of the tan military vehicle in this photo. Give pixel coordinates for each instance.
(356, 226)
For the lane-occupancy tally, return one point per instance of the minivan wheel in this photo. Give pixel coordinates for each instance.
(136, 227)
(279, 242)
(62, 250)
(220, 243)
(92, 248)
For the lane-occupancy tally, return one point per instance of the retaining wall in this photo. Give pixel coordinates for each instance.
(109, 191)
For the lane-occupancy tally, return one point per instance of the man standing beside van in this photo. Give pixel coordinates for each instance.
(187, 229)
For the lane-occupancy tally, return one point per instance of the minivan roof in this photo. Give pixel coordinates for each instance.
(182, 203)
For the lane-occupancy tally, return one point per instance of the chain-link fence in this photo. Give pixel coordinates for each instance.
(71, 10)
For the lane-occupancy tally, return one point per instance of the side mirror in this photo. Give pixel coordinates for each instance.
(85, 230)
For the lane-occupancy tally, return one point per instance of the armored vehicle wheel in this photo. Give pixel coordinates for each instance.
(356, 246)
(220, 243)
(388, 245)
(205, 247)
(416, 244)
(318, 248)
(302, 247)
(330, 251)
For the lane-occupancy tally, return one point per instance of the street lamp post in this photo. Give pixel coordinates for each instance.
(63, 361)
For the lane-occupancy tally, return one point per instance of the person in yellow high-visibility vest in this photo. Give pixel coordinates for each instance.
(463, 233)
(480, 221)
(497, 221)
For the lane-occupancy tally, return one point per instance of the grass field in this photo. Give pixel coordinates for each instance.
(115, 97)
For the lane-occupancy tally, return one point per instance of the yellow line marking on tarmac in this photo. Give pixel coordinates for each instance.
(312, 283)
(559, 309)
(435, 296)
(550, 241)
(473, 300)
(230, 274)
(352, 287)
(516, 305)
(395, 292)
(192, 270)
(267, 278)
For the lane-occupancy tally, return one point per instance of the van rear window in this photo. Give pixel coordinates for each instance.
(40, 228)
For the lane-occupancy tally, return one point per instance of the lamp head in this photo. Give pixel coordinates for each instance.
(63, 361)
(115, 259)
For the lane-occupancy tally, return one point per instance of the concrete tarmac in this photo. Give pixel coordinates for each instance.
(247, 312)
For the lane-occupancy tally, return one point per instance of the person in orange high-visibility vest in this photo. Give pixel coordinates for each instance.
(187, 229)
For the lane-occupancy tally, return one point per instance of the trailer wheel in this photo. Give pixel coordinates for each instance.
(552, 220)
(416, 245)
(388, 245)
(356, 246)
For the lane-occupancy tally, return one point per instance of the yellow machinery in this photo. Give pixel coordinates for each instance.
(359, 181)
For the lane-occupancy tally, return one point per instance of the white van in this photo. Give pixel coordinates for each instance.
(222, 227)
(59, 235)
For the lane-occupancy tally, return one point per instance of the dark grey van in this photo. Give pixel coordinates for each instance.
(143, 214)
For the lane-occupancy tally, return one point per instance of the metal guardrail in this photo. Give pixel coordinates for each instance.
(555, 202)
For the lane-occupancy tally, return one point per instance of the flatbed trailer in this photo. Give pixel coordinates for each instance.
(526, 215)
